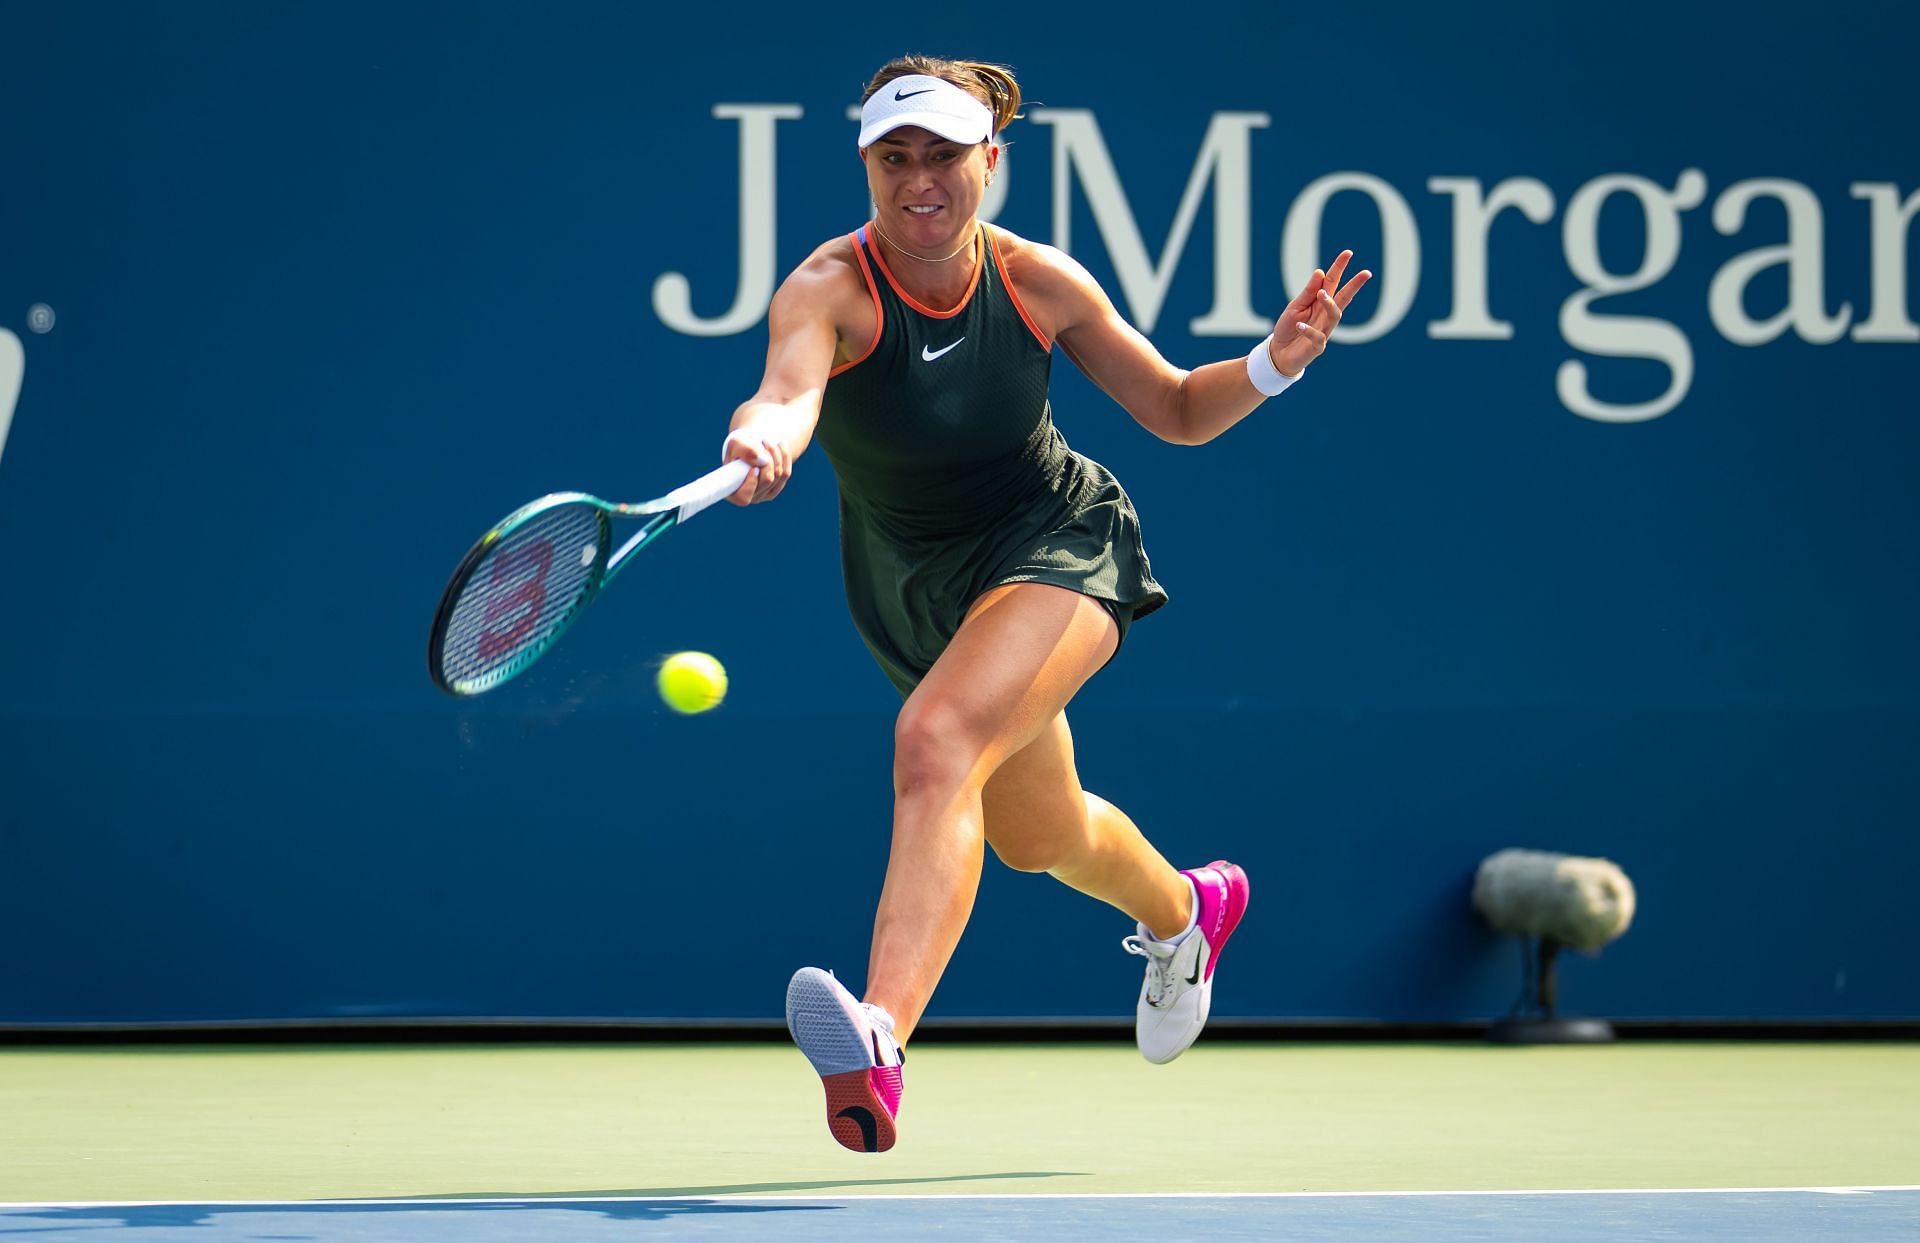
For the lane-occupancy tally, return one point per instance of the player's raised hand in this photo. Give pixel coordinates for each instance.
(1303, 329)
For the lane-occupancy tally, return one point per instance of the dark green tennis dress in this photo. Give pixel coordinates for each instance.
(953, 478)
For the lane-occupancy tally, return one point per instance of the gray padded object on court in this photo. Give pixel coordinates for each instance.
(1580, 902)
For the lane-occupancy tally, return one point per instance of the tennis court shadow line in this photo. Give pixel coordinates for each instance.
(741, 1189)
(67, 1219)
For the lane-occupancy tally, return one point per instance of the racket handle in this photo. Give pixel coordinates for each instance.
(715, 485)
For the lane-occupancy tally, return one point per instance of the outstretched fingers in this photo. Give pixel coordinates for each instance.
(1343, 294)
(1309, 320)
(1326, 311)
(1304, 303)
(1352, 287)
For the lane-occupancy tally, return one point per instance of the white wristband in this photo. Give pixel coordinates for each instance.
(1264, 375)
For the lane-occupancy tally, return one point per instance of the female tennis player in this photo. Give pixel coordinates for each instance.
(990, 569)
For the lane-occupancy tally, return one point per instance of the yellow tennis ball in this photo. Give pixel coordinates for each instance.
(692, 682)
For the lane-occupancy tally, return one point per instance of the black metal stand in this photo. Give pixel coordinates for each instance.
(1540, 994)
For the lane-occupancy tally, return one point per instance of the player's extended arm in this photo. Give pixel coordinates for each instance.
(775, 425)
(1187, 407)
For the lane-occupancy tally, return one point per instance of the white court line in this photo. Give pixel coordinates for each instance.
(991, 1195)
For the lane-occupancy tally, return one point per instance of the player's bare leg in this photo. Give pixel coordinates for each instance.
(1020, 656)
(1038, 819)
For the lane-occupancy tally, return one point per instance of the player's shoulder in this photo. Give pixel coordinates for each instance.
(1056, 291)
(832, 262)
(825, 280)
(1035, 267)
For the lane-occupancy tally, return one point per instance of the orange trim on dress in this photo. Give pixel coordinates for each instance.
(1013, 297)
(879, 312)
(880, 257)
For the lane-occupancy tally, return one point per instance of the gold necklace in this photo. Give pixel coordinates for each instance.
(966, 245)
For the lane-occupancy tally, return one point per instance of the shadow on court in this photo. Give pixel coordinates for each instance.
(1856, 1214)
(297, 1217)
(742, 1189)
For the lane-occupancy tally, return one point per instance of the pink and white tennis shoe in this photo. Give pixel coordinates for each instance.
(852, 1049)
(1177, 994)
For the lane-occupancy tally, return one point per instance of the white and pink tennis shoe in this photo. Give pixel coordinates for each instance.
(1177, 994)
(851, 1046)
(852, 1049)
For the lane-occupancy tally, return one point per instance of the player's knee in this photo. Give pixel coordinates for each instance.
(1029, 853)
(1036, 833)
(932, 746)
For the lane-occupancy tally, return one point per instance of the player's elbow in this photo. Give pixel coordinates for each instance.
(1180, 435)
(1173, 424)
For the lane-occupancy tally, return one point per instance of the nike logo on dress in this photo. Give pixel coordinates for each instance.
(910, 94)
(928, 355)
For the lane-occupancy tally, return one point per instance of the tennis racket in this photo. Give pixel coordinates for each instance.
(527, 580)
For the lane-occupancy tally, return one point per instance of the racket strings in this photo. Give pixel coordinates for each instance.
(522, 593)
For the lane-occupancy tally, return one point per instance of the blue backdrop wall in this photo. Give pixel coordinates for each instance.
(1595, 534)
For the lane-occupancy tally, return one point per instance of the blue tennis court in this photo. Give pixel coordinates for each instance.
(1866, 1214)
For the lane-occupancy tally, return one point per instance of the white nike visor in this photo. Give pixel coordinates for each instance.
(931, 103)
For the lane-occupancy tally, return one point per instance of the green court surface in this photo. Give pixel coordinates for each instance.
(362, 1121)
